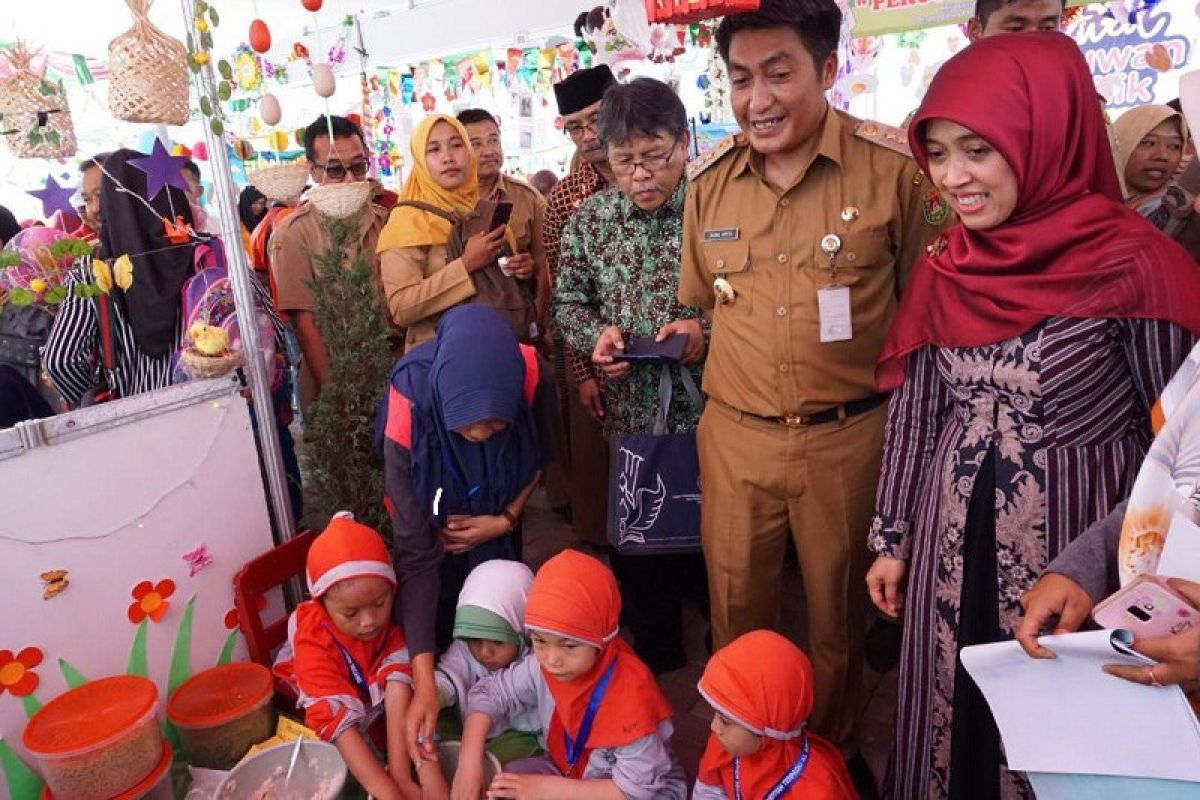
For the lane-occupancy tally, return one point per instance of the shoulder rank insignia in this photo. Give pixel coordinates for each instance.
(710, 157)
(885, 135)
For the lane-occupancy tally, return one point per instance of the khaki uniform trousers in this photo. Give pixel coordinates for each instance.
(762, 481)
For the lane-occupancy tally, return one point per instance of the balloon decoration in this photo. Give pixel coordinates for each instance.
(260, 36)
(324, 84)
(269, 110)
(312, 5)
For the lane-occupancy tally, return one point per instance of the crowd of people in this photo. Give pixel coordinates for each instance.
(929, 357)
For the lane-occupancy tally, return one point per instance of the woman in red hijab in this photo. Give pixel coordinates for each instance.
(761, 689)
(1027, 350)
(606, 725)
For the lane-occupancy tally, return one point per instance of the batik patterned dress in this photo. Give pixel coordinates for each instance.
(1063, 413)
(619, 265)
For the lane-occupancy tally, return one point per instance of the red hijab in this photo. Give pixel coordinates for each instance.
(575, 596)
(764, 683)
(1070, 248)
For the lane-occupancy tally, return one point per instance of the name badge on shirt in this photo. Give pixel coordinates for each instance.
(721, 234)
(833, 308)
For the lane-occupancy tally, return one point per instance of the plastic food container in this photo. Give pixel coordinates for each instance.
(97, 741)
(221, 712)
(156, 786)
(320, 774)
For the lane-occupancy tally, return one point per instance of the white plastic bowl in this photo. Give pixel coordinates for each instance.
(320, 774)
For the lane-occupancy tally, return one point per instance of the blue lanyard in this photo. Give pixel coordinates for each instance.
(356, 674)
(785, 782)
(575, 748)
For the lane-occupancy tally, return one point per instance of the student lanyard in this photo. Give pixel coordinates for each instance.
(785, 782)
(356, 674)
(575, 748)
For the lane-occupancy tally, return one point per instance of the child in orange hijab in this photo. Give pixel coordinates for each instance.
(346, 659)
(606, 726)
(760, 687)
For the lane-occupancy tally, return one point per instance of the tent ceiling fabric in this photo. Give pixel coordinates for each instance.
(396, 31)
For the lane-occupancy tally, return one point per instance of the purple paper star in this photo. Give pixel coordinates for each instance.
(162, 169)
(55, 198)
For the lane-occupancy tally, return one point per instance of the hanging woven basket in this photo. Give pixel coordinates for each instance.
(34, 116)
(148, 72)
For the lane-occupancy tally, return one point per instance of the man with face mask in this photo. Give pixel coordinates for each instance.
(619, 277)
(579, 99)
(340, 159)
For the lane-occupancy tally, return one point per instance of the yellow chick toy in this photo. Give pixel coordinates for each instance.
(209, 340)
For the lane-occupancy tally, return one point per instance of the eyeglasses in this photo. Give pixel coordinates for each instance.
(576, 129)
(651, 163)
(338, 172)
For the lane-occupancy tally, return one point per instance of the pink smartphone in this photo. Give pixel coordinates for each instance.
(1148, 608)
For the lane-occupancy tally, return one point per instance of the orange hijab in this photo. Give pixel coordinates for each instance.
(764, 683)
(575, 596)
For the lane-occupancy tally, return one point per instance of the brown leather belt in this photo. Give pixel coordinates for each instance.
(838, 412)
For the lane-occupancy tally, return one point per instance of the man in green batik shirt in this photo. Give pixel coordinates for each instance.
(618, 276)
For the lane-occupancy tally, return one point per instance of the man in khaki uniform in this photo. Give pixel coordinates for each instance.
(529, 207)
(797, 239)
(302, 233)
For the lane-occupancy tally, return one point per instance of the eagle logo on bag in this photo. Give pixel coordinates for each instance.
(640, 508)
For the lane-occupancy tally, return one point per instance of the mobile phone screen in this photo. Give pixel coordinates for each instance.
(502, 214)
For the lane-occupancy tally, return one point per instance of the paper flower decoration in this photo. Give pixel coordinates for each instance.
(102, 273)
(151, 600)
(16, 672)
(246, 72)
(162, 170)
(54, 198)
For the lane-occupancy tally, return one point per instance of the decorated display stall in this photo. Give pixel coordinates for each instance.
(126, 521)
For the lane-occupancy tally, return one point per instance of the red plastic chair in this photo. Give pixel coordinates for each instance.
(269, 571)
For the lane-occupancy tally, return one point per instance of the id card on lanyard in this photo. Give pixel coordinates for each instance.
(785, 783)
(575, 748)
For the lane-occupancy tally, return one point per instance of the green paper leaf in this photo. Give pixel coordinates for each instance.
(205, 106)
(191, 43)
(181, 654)
(21, 297)
(224, 91)
(217, 126)
(53, 137)
(206, 40)
(23, 783)
(72, 676)
(212, 15)
(31, 705)
(137, 655)
(225, 69)
(194, 67)
(56, 295)
(201, 7)
(227, 650)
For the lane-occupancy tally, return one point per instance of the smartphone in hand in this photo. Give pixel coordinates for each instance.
(1148, 608)
(501, 215)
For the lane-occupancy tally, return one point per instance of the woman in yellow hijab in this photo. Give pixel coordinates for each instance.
(419, 281)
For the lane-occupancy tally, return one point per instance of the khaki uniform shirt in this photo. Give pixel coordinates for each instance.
(301, 235)
(528, 225)
(766, 357)
(419, 284)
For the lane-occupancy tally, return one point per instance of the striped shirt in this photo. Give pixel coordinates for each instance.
(71, 355)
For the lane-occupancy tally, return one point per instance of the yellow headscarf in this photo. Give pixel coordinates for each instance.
(1132, 126)
(411, 227)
